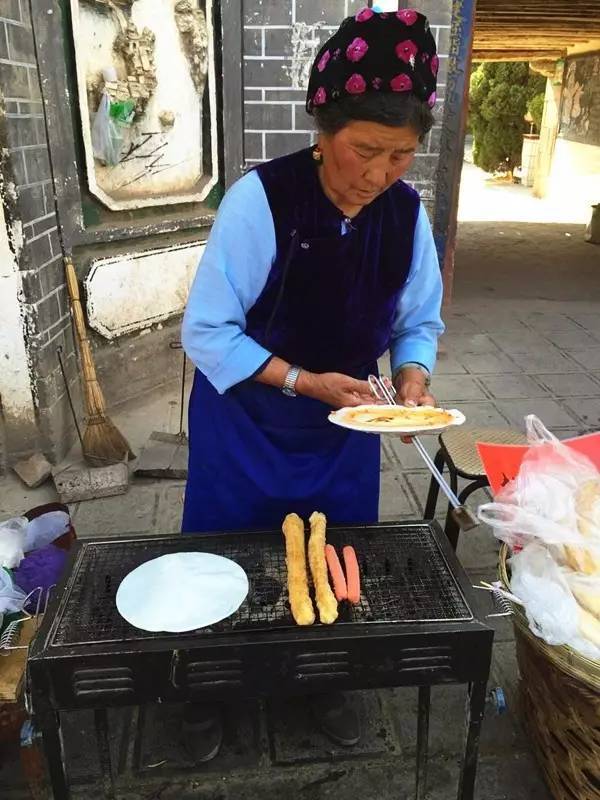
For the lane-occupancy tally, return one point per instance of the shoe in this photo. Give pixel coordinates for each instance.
(202, 731)
(337, 717)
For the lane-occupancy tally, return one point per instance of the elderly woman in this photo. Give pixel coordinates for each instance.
(317, 264)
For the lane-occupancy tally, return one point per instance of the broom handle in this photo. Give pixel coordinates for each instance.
(87, 361)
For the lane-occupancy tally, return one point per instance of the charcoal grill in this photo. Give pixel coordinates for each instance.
(414, 626)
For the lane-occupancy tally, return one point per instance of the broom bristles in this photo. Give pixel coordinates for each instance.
(103, 442)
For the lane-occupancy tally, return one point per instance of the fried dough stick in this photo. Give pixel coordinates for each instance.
(326, 602)
(295, 556)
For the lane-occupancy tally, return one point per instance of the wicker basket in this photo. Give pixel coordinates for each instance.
(560, 705)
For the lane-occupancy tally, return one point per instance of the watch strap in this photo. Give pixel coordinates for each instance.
(289, 384)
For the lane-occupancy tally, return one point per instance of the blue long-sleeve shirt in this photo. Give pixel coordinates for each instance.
(233, 272)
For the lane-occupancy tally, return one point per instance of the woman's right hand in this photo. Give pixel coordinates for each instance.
(334, 389)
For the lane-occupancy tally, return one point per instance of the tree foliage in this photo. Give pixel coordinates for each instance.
(498, 101)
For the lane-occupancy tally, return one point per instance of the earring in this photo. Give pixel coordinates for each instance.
(317, 154)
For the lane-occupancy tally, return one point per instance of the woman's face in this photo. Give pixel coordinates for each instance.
(364, 159)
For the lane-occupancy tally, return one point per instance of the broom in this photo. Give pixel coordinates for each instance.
(103, 443)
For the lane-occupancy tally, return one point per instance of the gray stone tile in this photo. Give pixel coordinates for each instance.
(170, 508)
(590, 322)
(512, 386)
(399, 455)
(459, 323)
(569, 385)
(496, 322)
(481, 413)
(488, 363)
(478, 549)
(457, 344)
(588, 411)
(448, 366)
(134, 512)
(395, 501)
(573, 340)
(515, 343)
(546, 321)
(552, 414)
(450, 389)
(533, 363)
(588, 357)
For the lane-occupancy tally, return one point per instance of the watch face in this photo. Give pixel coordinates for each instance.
(289, 392)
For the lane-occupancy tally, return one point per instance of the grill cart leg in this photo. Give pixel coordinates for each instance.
(101, 723)
(474, 718)
(422, 741)
(49, 724)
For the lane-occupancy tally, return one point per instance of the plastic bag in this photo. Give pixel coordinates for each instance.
(550, 605)
(43, 530)
(11, 597)
(107, 135)
(555, 499)
(12, 541)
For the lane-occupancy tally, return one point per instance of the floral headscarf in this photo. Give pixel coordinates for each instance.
(374, 51)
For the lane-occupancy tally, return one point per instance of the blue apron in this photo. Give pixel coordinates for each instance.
(328, 306)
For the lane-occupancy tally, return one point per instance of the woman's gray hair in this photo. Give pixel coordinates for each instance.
(398, 110)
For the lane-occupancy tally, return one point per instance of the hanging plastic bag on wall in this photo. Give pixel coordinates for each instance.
(12, 598)
(12, 541)
(107, 134)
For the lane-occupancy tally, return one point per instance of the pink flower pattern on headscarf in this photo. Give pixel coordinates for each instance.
(431, 99)
(408, 16)
(377, 83)
(401, 83)
(324, 60)
(355, 84)
(320, 97)
(356, 49)
(364, 15)
(434, 64)
(406, 51)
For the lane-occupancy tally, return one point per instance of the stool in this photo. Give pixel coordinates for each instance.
(458, 451)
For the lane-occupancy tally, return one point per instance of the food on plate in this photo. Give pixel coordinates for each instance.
(352, 574)
(587, 597)
(398, 416)
(337, 573)
(587, 504)
(295, 556)
(326, 602)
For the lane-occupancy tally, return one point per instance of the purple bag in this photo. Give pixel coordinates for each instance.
(41, 567)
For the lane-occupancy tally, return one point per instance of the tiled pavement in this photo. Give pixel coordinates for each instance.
(499, 363)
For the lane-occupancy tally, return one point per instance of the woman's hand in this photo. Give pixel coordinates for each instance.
(334, 389)
(412, 388)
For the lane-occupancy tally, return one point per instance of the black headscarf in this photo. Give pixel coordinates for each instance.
(374, 51)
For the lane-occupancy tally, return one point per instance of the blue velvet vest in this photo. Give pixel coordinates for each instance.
(330, 298)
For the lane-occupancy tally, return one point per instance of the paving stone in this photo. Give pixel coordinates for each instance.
(546, 322)
(400, 455)
(569, 385)
(482, 413)
(115, 516)
(513, 386)
(170, 508)
(295, 739)
(417, 484)
(588, 357)
(533, 363)
(478, 549)
(587, 409)
(458, 344)
(459, 323)
(488, 363)
(515, 343)
(494, 322)
(450, 389)
(447, 366)
(76, 484)
(34, 471)
(573, 340)
(552, 414)
(395, 502)
(590, 322)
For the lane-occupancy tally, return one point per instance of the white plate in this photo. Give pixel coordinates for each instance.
(340, 418)
(182, 592)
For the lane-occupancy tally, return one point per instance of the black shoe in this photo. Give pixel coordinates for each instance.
(337, 717)
(202, 731)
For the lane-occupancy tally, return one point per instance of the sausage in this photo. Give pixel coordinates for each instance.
(352, 574)
(337, 573)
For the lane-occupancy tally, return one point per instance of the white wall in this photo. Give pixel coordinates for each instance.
(575, 177)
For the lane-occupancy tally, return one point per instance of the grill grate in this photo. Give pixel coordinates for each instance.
(404, 578)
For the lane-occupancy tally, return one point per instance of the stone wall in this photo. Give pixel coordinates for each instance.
(280, 41)
(29, 205)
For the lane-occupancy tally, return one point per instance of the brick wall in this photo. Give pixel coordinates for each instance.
(45, 301)
(281, 37)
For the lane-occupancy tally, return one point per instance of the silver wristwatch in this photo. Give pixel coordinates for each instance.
(289, 384)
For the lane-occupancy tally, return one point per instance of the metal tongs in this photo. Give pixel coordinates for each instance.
(383, 389)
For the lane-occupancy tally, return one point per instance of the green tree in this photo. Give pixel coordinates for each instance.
(498, 101)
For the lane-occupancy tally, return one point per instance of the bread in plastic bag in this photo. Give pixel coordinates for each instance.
(555, 499)
(551, 607)
(12, 541)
